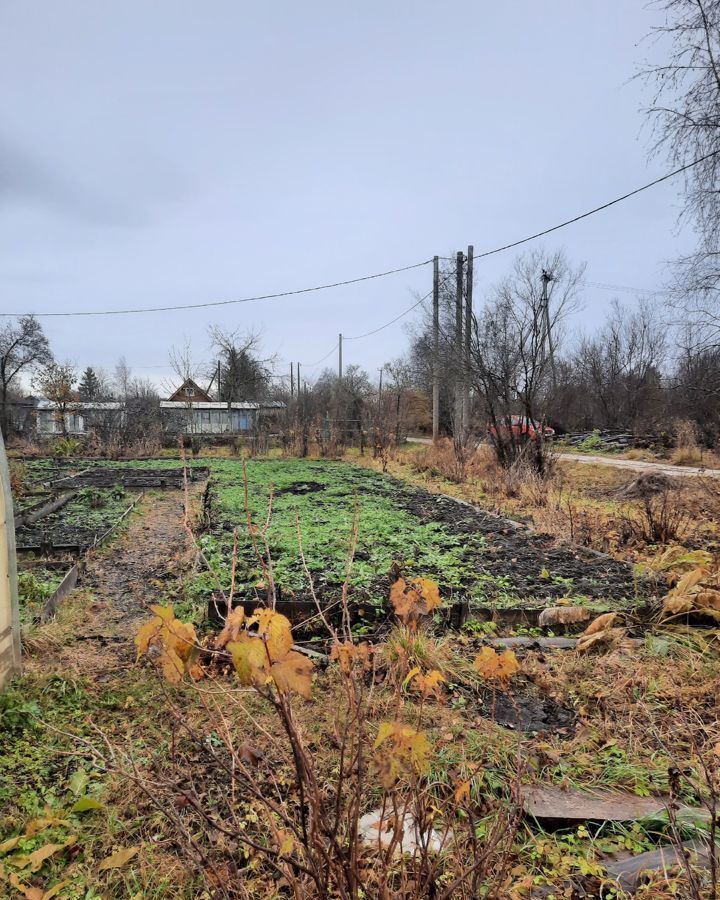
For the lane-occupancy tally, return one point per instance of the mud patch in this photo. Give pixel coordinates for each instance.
(301, 487)
(528, 710)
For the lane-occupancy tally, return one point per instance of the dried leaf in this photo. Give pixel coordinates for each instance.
(233, 624)
(414, 599)
(349, 654)
(601, 623)
(54, 890)
(37, 825)
(294, 673)
(250, 755)
(494, 666)
(38, 857)
(598, 639)
(27, 890)
(118, 859)
(10, 844)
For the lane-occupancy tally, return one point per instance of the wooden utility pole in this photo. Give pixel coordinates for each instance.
(436, 350)
(298, 379)
(457, 424)
(468, 337)
(292, 381)
(381, 373)
(339, 356)
(547, 277)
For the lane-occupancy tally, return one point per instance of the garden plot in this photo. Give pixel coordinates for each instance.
(49, 545)
(475, 557)
(77, 525)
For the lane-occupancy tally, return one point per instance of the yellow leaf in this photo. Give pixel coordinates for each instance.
(410, 675)
(403, 750)
(426, 684)
(430, 593)
(275, 631)
(294, 673)
(249, 657)
(462, 791)
(166, 613)
(118, 859)
(288, 844)
(384, 731)
(168, 642)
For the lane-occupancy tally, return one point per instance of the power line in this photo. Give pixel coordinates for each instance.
(322, 358)
(357, 337)
(597, 209)
(324, 287)
(626, 289)
(152, 309)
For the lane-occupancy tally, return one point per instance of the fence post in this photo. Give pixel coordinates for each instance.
(9, 612)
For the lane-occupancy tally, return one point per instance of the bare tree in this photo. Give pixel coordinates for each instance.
(511, 362)
(685, 117)
(56, 382)
(619, 369)
(123, 379)
(23, 347)
(244, 375)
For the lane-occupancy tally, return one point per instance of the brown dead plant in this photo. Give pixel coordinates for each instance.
(266, 787)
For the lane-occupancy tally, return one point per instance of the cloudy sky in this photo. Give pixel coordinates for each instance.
(175, 152)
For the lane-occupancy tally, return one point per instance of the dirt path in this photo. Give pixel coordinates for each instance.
(640, 465)
(635, 465)
(121, 581)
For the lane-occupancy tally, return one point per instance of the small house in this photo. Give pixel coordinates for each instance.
(191, 410)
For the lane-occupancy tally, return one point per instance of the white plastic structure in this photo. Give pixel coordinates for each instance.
(9, 613)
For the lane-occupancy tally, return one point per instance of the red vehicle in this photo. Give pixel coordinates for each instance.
(521, 426)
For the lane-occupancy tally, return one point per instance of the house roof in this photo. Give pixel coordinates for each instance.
(80, 405)
(197, 391)
(215, 404)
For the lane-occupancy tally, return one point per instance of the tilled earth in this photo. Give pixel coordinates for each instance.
(521, 556)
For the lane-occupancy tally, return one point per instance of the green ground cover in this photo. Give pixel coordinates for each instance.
(323, 498)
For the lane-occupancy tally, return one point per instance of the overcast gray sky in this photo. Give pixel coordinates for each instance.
(157, 152)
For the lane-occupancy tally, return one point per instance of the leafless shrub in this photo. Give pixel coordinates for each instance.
(661, 518)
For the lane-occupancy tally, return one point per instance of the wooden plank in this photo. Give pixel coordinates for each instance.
(67, 585)
(45, 508)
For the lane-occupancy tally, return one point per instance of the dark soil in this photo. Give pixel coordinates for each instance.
(301, 487)
(520, 554)
(530, 711)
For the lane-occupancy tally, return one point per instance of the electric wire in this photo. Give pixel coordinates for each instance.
(349, 281)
